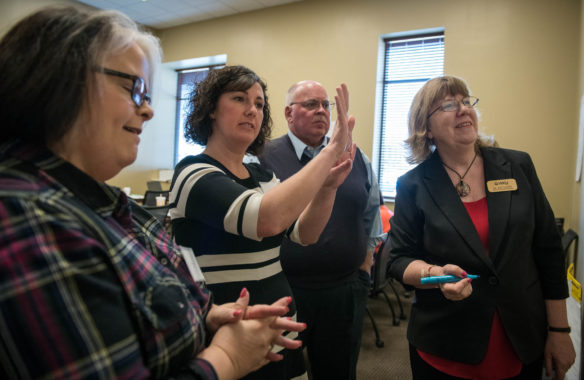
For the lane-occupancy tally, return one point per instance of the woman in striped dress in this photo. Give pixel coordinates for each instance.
(234, 215)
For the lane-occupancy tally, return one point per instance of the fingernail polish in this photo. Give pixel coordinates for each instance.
(237, 313)
(243, 293)
(289, 300)
(464, 274)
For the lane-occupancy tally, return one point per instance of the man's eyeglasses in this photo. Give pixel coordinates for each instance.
(313, 104)
(138, 92)
(454, 105)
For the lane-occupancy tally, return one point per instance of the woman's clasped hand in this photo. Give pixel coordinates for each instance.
(246, 335)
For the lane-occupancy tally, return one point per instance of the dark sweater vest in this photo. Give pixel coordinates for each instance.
(342, 246)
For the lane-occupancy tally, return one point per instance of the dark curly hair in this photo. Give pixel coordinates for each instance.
(203, 102)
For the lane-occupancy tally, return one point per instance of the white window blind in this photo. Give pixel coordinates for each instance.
(409, 62)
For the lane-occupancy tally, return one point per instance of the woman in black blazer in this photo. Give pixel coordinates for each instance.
(472, 208)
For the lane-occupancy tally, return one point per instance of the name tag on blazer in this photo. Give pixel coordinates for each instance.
(498, 185)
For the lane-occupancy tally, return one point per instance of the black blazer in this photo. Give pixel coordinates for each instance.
(524, 265)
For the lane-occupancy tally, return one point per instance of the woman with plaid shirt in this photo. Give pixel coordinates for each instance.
(90, 283)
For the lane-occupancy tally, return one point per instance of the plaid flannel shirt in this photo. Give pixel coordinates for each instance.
(91, 286)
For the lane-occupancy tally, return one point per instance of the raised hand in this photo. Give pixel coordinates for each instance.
(342, 168)
(342, 137)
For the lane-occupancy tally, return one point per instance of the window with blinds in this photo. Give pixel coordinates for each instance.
(187, 82)
(409, 62)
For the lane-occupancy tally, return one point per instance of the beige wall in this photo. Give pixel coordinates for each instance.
(578, 193)
(519, 57)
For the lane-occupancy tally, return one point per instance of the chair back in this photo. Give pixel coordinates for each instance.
(159, 213)
(154, 185)
(568, 238)
(379, 271)
(150, 197)
(560, 225)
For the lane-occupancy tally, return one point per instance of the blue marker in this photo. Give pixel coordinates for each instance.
(445, 279)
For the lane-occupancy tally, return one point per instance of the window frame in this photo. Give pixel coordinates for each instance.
(381, 103)
(179, 129)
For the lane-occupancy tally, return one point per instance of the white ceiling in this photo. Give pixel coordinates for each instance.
(162, 14)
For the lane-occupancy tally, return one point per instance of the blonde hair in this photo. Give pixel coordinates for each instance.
(427, 98)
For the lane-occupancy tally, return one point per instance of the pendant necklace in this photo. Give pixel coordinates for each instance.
(462, 187)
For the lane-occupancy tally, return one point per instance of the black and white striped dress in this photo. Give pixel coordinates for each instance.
(215, 214)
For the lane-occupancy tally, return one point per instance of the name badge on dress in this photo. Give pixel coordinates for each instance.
(498, 185)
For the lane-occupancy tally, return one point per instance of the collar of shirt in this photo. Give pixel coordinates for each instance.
(299, 146)
(98, 196)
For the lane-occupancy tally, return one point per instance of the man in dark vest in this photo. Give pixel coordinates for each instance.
(330, 287)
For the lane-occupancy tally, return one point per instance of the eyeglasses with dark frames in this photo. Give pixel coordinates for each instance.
(138, 93)
(454, 105)
(312, 104)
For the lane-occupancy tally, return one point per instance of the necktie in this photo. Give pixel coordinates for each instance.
(307, 155)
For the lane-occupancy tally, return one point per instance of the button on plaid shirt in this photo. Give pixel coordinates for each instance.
(91, 286)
